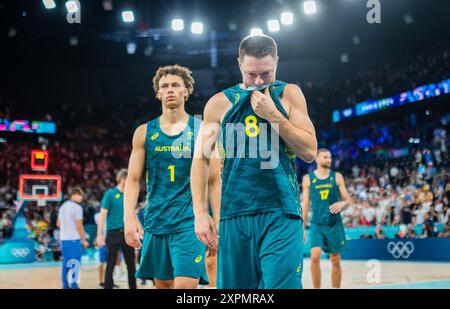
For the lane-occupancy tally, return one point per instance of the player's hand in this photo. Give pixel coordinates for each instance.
(206, 230)
(133, 233)
(263, 105)
(336, 208)
(85, 244)
(100, 241)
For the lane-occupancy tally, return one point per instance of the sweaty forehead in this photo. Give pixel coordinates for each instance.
(169, 79)
(258, 65)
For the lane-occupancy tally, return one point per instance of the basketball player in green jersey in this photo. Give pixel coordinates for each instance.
(324, 189)
(260, 228)
(171, 253)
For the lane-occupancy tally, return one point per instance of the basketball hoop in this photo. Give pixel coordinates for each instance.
(39, 188)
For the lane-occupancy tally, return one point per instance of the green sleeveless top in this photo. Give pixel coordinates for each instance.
(324, 193)
(168, 166)
(253, 180)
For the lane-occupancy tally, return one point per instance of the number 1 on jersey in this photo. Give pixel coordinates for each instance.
(172, 172)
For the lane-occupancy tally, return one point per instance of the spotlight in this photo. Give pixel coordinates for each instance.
(287, 18)
(309, 7)
(177, 25)
(72, 6)
(273, 25)
(49, 4)
(128, 16)
(197, 28)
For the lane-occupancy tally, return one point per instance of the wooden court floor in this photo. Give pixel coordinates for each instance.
(355, 274)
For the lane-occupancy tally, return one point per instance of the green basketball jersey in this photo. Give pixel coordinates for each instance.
(324, 193)
(168, 166)
(247, 188)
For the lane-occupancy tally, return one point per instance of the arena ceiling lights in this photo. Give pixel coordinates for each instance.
(287, 18)
(177, 24)
(72, 6)
(273, 25)
(309, 7)
(197, 28)
(128, 16)
(49, 4)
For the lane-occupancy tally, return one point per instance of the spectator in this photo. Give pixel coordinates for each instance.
(428, 231)
(410, 233)
(379, 234)
(446, 232)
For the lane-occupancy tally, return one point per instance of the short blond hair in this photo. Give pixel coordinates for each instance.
(123, 173)
(183, 72)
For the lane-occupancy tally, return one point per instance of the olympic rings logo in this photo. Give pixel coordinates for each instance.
(20, 252)
(400, 249)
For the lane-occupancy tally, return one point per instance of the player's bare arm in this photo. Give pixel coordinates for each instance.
(205, 228)
(215, 184)
(346, 199)
(132, 226)
(306, 182)
(297, 131)
(101, 224)
(214, 190)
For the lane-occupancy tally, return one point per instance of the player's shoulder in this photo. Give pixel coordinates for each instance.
(140, 133)
(142, 128)
(218, 99)
(216, 106)
(339, 176)
(292, 90)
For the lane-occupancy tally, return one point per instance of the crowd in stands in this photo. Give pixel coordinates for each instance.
(402, 73)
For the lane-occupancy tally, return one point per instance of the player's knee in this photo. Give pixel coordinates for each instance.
(186, 284)
(315, 258)
(162, 284)
(335, 260)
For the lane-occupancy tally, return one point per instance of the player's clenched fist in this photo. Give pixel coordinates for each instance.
(263, 105)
